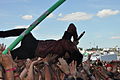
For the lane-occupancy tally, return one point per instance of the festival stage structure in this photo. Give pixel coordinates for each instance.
(33, 25)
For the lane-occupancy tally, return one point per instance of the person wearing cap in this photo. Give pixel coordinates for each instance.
(109, 68)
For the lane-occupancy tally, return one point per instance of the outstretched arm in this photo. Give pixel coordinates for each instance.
(79, 37)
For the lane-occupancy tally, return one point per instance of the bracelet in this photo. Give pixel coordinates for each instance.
(11, 69)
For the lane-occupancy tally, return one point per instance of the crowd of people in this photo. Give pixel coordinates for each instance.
(52, 60)
(44, 69)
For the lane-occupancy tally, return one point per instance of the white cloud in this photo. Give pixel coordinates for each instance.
(22, 26)
(107, 12)
(27, 17)
(26, 26)
(50, 15)
(77, 16)
(115, 37)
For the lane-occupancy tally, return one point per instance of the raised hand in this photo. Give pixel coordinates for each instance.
(28, 63)
(50, 58)
(2, 48)
(7, 60)
(64, 66)
(86, 65)
(89, 56)
(73, 68)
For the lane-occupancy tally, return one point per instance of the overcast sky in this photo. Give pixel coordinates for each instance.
(99, 18)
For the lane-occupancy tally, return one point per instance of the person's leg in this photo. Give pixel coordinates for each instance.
(75, 55)
(27, 48)
(73, 51)
(21, 53)
(11, 33)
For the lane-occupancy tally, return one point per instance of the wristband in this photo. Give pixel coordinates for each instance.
(11, 69)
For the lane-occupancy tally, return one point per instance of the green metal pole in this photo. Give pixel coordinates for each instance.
(33, 25)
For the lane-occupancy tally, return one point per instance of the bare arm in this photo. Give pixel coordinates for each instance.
(7, 63)
(31, 70)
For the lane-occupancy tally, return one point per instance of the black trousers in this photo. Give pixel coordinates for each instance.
(28, 44)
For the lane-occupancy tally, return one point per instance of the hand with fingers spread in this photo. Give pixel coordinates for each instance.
(86, 65)
(2, 47)
(24, 72)
(8, 63)
(35, 62)
(28, 63)
(64, 66)
(31, 69)
(7, 60)
(73, 68)
(76, 42)
(50, 58)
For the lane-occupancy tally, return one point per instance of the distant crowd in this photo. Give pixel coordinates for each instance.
(44, 69)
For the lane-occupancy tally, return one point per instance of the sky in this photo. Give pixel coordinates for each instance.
(100, 20)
